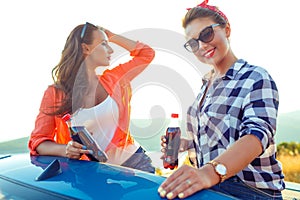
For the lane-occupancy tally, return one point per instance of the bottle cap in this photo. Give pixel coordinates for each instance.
(66, 117)
(174, 115)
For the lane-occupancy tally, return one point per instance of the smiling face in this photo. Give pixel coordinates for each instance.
(215, 51)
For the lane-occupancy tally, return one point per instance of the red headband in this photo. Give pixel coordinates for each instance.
(213, 8)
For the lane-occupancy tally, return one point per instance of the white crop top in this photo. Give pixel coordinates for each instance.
(101, 120)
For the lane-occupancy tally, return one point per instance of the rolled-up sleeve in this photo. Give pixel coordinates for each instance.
(44, 124)
(142, 57)
(260, 109)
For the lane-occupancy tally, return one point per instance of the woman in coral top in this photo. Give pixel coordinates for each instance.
(101, 103)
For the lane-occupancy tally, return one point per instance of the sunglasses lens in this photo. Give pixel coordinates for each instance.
(83, 31)
(207, 35)
(192, 45)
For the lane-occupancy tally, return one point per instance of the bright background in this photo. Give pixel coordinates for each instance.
(33, 33)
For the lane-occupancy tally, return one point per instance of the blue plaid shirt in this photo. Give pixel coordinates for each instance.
(244, 101)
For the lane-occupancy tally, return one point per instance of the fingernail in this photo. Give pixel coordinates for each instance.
(170, 195)
(159, 190)
(163, 193)
(180, 195)
(91, 151)
(84, 147)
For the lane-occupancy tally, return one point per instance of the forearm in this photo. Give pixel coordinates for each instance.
(240, 154)
(51, 149)
(236, 158)
(122, 41)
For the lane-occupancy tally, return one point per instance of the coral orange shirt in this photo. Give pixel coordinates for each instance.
(116, 82)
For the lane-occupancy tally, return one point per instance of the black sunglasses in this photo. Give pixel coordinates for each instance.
(83, 31)
(206, 35)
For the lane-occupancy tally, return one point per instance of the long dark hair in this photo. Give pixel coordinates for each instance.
(70, 75)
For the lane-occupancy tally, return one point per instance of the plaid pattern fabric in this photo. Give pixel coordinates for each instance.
(244, 101)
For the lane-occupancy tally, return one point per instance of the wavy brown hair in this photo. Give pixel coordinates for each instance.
(69, 75)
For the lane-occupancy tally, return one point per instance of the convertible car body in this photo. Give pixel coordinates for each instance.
(45, 177)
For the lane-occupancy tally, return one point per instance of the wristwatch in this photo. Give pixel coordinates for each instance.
(220, 169)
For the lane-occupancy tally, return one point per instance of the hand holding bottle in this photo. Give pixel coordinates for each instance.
(185, 144)
(75, 150)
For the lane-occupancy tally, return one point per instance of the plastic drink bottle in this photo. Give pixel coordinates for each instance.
(85, 138)
(73, 134)
(173, 134)
(82, 136)
(67, 118)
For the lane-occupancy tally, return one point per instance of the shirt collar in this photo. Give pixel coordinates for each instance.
(230, 74)
(235, 68)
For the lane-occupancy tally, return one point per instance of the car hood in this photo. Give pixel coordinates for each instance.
(85, 179)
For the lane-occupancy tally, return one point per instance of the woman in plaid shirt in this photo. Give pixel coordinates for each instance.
(232, 121)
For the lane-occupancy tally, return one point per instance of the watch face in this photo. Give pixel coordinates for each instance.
(221, 169)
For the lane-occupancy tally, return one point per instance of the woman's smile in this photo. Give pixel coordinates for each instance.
(210, 53)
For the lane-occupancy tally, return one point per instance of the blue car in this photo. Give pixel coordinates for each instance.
(47, 177)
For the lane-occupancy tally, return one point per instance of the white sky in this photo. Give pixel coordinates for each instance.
(33, 33)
